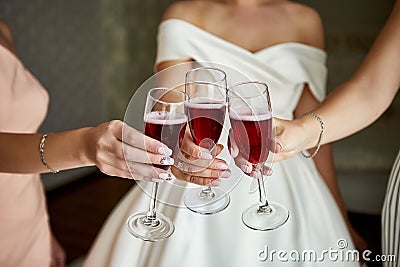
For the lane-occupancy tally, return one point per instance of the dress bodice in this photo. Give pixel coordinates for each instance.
(285, 67)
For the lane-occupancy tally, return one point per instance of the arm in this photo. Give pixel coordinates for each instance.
(355, 104)
(371, 89)
(324, 160)
(128, 157)
(103, 146)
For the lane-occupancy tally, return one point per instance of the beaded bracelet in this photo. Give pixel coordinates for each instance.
(41, 151)
(321, 135)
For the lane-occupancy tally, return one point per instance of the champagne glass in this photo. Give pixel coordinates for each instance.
(250, 115)
(206, 88)
(164, 120)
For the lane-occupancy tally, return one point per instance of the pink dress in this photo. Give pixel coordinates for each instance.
(24, 226)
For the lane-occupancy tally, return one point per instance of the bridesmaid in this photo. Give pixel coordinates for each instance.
(25, 236)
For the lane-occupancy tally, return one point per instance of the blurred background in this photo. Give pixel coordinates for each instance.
(92, 55)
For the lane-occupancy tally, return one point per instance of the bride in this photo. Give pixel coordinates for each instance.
(281, 43)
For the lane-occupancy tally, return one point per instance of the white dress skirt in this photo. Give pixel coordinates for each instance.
(314, 235)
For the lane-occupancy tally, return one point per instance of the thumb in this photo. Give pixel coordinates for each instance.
(232, 146)
(276, 145)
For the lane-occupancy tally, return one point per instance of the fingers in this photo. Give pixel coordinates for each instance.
(121, 159)
(188, 163)
(203, 172)
(135, 154)
(243, 164)
(190, 148)
(194, 178)
(134, 138)
(134, 170)
(267, 170)
(136, 175)
(249, 169)
(276, 146)
(211, 173)
(291, 137)
(276, 143)
(146, 172)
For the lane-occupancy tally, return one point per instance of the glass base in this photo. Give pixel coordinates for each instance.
(210, 203)
(265, 220)
(150, 230)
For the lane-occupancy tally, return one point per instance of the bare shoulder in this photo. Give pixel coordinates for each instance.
(190, 11)
(308, 23)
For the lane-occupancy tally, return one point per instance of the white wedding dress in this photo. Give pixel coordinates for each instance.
(222, 240)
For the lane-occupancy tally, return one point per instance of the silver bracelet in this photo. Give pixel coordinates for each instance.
(41, 151)
(321, 135)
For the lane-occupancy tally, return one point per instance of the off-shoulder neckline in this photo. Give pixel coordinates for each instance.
(260, 51)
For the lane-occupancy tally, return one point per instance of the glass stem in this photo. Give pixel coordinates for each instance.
(151, 216)
(207, 191)
(263, 206)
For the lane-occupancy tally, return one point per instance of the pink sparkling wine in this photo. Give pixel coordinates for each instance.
(252, 131)
(166, 127)
(206, 120)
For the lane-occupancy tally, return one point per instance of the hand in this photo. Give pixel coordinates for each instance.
(359, 242)
(241, 161)
(198, 165)
(58, 255)
(291, 137)
(129, 156)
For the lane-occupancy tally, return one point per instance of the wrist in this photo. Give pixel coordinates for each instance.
(84, 148)
(311, 128)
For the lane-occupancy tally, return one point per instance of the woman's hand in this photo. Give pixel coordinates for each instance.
(242, 162)
(294, 136)
(198, 165)
(119, 150)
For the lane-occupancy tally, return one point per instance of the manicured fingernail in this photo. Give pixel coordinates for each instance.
(157, 180)
(225, 174)
(215, 182)
(267, 171)
(165, 176)
(245, 168)
(163, 150)
(166, 161)
(205, 155)
(222, 165)
(231, 151)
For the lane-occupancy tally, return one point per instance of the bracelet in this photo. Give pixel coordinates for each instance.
(41, 151)
(321, 135)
